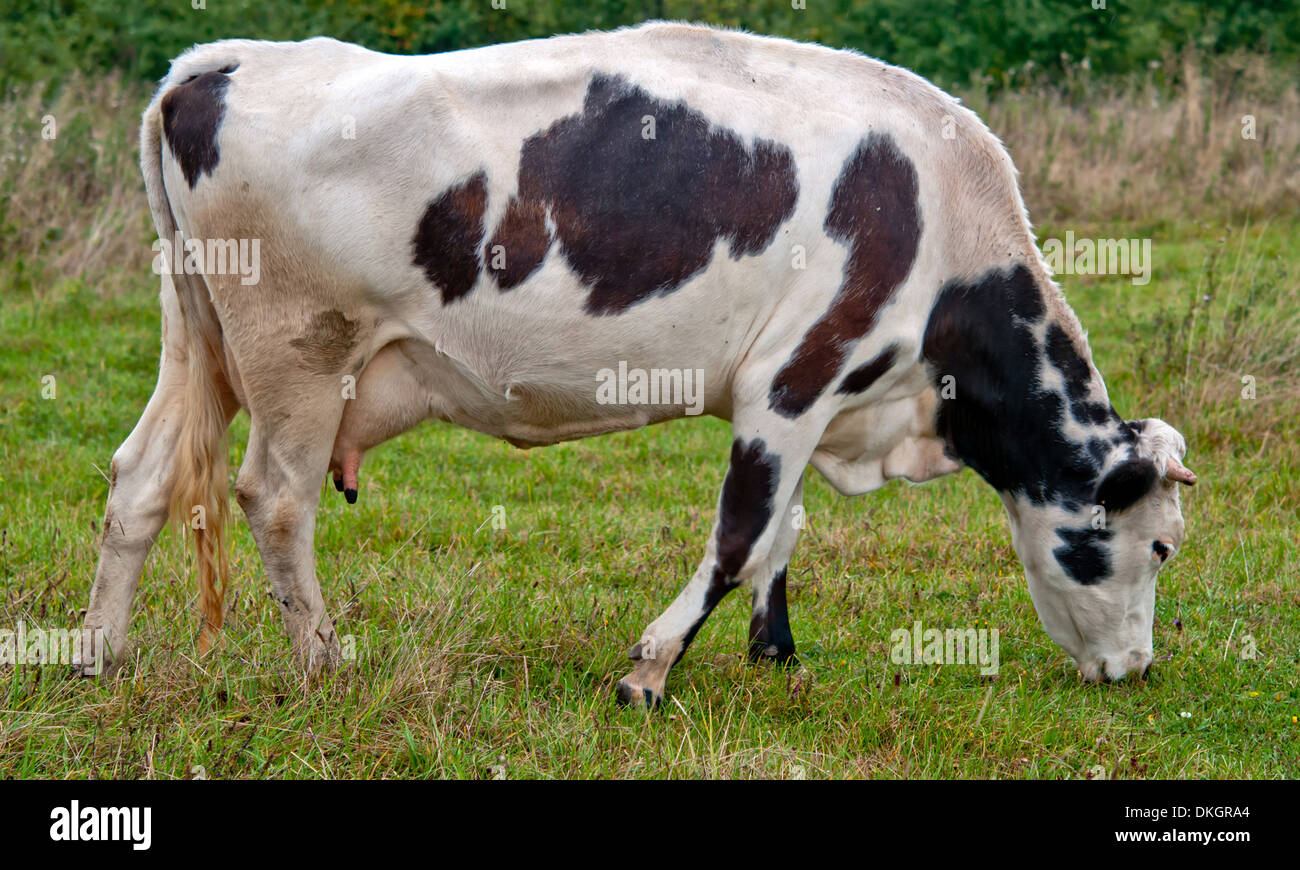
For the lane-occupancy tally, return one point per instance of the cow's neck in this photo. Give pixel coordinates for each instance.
(1020, 403)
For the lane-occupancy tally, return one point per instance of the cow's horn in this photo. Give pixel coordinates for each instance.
(1175, 470)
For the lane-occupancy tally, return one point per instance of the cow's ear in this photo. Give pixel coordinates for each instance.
(1126, 483)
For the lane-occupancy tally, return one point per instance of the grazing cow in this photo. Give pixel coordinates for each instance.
(838, 246)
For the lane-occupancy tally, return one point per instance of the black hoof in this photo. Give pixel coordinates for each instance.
(779, 655)
(338, 482)
(350, 495)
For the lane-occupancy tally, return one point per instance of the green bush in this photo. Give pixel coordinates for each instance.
(948, 40)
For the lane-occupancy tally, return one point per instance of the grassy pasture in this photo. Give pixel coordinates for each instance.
(482, 652)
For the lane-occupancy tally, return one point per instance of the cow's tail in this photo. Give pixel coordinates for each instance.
(201, 494)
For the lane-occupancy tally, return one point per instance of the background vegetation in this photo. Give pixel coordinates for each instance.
(946, 40)
(484, 652)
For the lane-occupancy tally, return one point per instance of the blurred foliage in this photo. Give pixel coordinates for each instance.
(947, 40)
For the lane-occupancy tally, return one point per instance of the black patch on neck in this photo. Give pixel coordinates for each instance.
(1098, 450)
(191, 118)
(1077, 374)
(861, 378)
(746, 502)
(1084, 555)
(1000, 420)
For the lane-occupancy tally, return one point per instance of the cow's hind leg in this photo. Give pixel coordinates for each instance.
(278, 487)
(752, 532)
(142, 479)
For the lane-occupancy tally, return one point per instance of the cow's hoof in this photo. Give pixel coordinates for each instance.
(779, 655)
(92, 656)
(630, 695)
(644, 687)
(321, 654)
(88, 671)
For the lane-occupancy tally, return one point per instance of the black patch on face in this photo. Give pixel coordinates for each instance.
(746, 502)
(638, 217)
(1128, 432)
(1001, 421)
(1084, 555)
(771, 627)
(861, 378)
(873, 210)
(447, 239)
(191, 118)
(1126, 484)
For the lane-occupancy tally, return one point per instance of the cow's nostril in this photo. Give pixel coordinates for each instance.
(1160, 551)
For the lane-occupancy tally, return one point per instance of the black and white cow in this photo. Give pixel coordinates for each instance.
(839, 246)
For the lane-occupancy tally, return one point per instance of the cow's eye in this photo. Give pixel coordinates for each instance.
(1160, 551)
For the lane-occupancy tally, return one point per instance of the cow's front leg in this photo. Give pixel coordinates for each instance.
(765, 474)
(770, 638)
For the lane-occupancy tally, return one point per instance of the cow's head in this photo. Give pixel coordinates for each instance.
(1092, 571)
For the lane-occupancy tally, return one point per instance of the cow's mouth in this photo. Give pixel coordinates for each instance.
(1106, 669)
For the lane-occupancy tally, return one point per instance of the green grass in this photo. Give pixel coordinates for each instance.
(482, 652)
